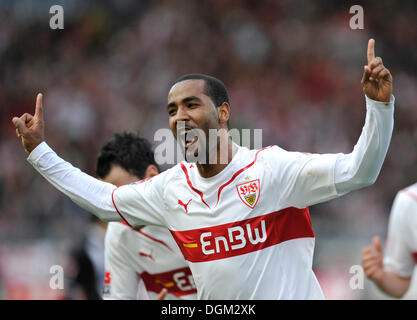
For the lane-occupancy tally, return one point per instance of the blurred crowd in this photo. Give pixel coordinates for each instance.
(292, 69)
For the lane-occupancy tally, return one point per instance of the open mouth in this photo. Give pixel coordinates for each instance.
(188, 136)
(189, 143)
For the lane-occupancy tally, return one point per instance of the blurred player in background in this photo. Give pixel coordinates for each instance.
(392, 273)
(86, 264)
(144, 263)
(243, 225)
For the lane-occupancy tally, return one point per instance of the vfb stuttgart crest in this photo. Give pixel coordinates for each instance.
(249, 192)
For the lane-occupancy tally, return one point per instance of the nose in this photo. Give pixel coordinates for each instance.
(182, 115)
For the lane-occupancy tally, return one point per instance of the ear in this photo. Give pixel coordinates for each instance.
(223, 112)
(151, 171)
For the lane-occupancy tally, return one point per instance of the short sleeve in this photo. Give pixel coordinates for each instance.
(398, 257)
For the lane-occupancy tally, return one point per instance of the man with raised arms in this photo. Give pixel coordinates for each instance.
(243, 224)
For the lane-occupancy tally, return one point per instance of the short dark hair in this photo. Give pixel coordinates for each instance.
(128, 150)
(214, 88)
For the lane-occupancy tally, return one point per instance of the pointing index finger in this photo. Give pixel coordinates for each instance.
(371, 50)
(39, 106)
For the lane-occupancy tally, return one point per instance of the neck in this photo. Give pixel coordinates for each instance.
(220, 162)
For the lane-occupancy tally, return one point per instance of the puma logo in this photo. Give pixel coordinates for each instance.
(142, 254)
(184, 205)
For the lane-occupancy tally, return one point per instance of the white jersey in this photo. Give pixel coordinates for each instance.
(148, 257)
(246, 232)
(401, 252)
(241, 227)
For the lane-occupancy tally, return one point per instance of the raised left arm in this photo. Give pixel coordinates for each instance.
(325, 177)
(361, 167)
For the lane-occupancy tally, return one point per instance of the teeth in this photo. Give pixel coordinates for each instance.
(184, 132)
(189, 142)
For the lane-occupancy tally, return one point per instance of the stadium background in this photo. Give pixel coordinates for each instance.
(292, 68)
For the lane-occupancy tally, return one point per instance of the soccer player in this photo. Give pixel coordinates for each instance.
(242, 224)
(148, 256)
(392, 273)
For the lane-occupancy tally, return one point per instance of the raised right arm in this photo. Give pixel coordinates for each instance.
(142, 203)
(89, 193)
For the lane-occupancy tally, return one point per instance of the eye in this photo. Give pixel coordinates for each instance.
(190, 105)
(171, 112)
